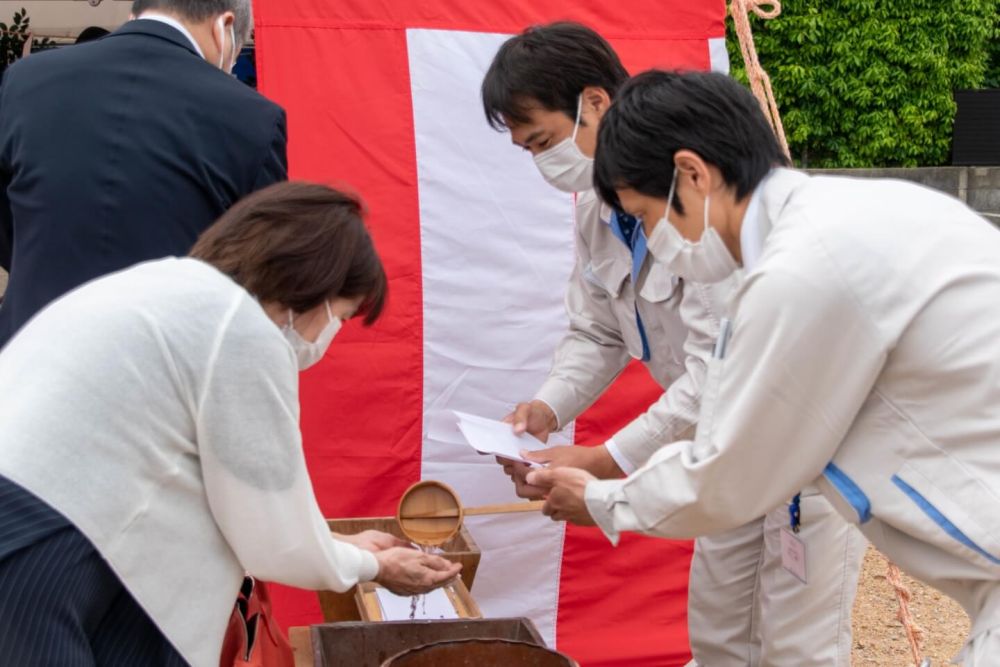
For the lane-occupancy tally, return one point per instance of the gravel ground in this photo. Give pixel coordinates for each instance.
(879, 638)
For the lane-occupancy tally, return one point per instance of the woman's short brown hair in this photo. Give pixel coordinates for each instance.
(298, 244)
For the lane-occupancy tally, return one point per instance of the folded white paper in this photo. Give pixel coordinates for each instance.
(433, 606)
(488, 436)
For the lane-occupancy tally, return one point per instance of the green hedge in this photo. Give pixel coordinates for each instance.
(868, 83)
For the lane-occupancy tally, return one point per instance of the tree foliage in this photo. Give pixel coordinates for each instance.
(13, 37)
(869, 83)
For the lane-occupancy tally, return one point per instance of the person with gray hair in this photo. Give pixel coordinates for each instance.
(125, 149)
(208, 23)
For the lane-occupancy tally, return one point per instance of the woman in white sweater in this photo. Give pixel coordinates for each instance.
(150, 451)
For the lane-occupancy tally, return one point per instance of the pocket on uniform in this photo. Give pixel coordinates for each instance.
(608, 274)
(660, 284)
(960, 507)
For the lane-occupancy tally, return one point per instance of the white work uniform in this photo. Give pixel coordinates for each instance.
(743, 607)
(865, 359)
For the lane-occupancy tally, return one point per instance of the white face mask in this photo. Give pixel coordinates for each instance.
(222, 45)
(564, 166)
(308, 353)
(707, 261)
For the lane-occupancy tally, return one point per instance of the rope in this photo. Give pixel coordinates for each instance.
(914, 633)
(760, 82)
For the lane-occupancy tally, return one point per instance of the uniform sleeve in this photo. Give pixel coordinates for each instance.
(676, 412)
(802, 360)
(274, 168)
(591, 355)
(254, 470)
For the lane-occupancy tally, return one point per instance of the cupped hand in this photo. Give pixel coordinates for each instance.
(412, 572)
(376, 540)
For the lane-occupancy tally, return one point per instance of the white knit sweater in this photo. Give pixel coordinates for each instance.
(157, 409)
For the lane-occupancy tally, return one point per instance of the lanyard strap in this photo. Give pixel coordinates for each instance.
(628, 230)
(795, 513)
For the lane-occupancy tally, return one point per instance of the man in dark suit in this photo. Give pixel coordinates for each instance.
(124, 149)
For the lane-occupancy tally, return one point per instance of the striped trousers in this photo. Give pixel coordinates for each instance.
(60, 602)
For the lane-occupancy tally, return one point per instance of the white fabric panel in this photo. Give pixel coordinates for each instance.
(718, 55)
(497, 246)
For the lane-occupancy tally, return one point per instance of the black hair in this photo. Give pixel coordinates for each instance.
(91, 34)
(658, 113)
(548, 65)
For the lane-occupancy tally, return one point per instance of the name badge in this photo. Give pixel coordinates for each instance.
(793, 554)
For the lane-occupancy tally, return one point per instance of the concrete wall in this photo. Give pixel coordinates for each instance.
(66, 18)
(977, 186)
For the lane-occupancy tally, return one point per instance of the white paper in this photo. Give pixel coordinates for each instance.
(433, 606)
(489, 436)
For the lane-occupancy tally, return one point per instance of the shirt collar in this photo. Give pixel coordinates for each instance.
(751, 235)
(175, 24)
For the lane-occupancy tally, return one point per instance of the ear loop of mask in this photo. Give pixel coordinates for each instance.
(670, 201)
(233, 53)
(579, 115)
(222, 44)
(329, 315)
(670, 194)
(707, 202)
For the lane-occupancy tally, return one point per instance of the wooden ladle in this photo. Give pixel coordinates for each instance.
(431, 513)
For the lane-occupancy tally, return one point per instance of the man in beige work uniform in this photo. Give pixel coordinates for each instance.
(867, 332)
(549, 87)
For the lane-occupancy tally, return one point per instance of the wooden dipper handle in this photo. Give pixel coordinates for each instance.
(503, 508)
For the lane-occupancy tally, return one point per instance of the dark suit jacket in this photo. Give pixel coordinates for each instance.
(119, 151)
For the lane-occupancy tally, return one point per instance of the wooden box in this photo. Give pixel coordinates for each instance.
(457, 593)
(369, 644)
(344, 607)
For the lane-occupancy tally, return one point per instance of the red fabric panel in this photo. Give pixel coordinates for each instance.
(624, 606)
(350, 120)
(640, 587)
(340, 70)
(664, 20)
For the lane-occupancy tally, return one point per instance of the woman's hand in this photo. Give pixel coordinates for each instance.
(373, 540)
(376, 541)
(412, 572)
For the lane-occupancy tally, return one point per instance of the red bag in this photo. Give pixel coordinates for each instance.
(253, 638)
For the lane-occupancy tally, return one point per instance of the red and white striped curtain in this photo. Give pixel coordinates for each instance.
(383, 95)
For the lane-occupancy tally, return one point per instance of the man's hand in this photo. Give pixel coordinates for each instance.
(374, 540)
(535, 418)
(566, 487)
(517, 472)
(412, 572)
(595, 460)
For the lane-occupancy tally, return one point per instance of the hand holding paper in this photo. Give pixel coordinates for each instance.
(488, 436)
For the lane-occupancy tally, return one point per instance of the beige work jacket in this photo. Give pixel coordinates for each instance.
(864, 358)
(681, 321)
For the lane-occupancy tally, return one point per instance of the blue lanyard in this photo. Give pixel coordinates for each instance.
(627, 229)
(795, 513)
